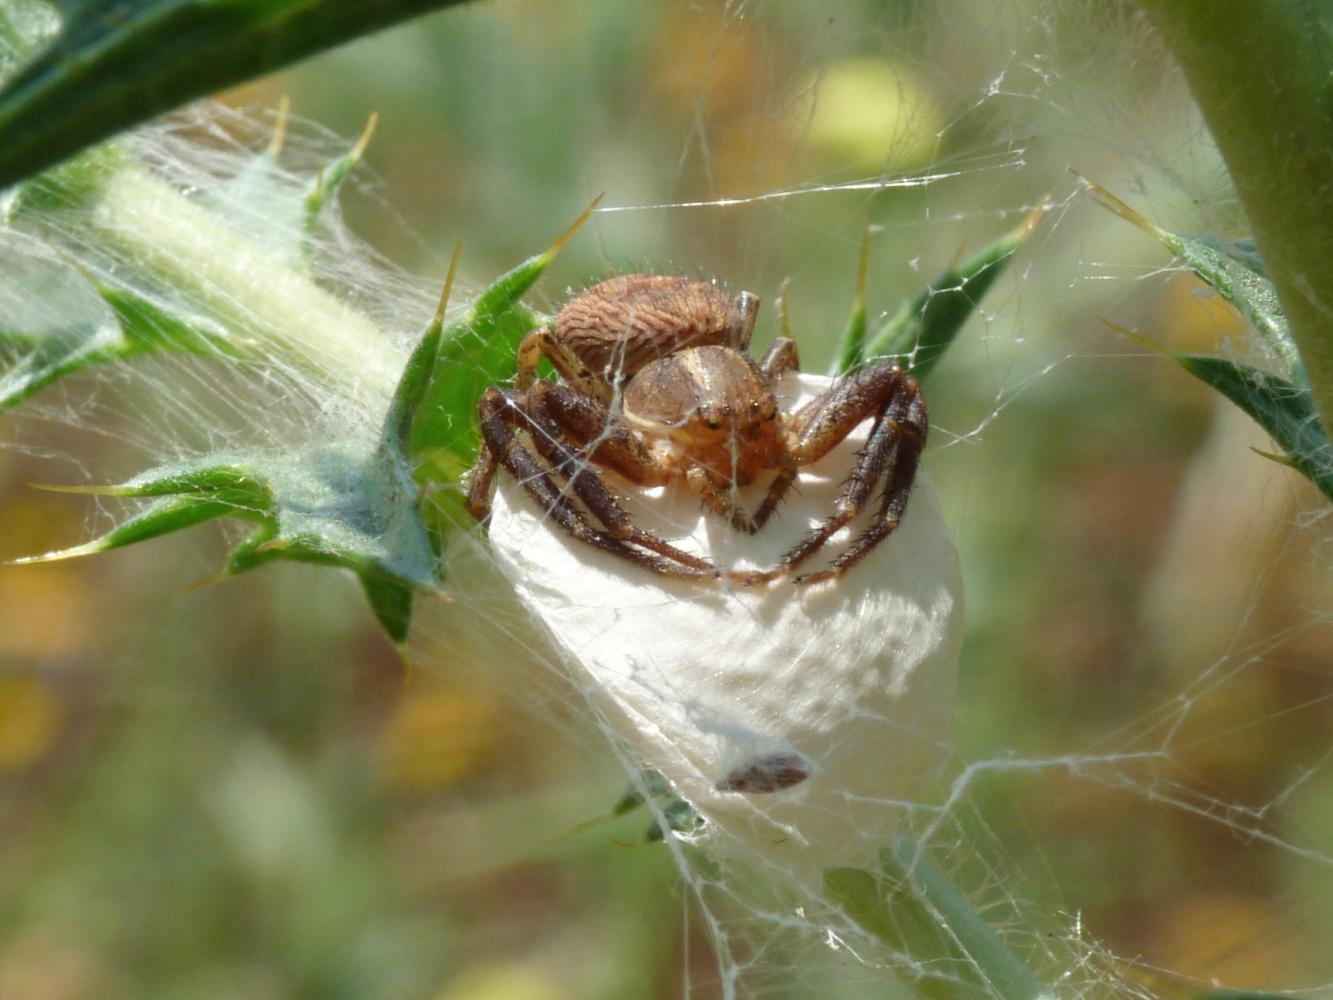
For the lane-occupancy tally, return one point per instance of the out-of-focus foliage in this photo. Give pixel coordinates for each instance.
(243, 791)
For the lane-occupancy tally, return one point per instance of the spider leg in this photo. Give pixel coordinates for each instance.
(719, 497)
(540, 343)
(780, 358)
(776, 491)
(893, 447)
(556, 411)
(483, 477)
(500, 411)
(897, 491)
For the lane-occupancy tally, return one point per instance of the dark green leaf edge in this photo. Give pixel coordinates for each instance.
(117, 63)
(924, 327)
(1234, 270)
(145, 326)
(1282, 408)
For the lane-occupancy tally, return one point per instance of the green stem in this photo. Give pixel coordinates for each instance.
(1001, 969)
(1262, 73)
(243, 285)
(915, 912)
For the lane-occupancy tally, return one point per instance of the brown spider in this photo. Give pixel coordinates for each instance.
(657, 387)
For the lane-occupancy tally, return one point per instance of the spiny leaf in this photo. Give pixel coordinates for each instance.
(39, 361)
(1234, 269)
(325, 184)
(350, 504)
(161, 518)
(148, 326)
(141, 326)
(389, 594)
(1282, 408)
(231, 484)
(412, 387)
(120, 62)
(854, 340)
(477, 351)
(922, 330)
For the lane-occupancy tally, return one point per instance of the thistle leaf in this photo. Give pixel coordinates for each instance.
(342, 505)
(163, 517)
(924, 327)
(1234, 269)
(119, 62)
(854, 339)
(1282, 408)
(324, 185)
(141, 326)
(351, 503)
(477, 351)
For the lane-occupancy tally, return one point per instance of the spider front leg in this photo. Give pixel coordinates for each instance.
(559, 413)
(890, 455)
(504, 412)
(542, 343)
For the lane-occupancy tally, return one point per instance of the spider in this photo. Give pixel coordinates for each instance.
(655, 384)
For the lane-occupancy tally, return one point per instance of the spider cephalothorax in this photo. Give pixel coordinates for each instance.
(657, 387)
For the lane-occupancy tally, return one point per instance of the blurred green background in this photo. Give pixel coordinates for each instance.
(243, 792)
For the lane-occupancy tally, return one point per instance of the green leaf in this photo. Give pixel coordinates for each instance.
(352, 503)
(348, 504)
(1234, 269)
(924, 327)
(885, 908)
(163, 517)
(854, 339)
(279, 216)
(679, 816)
(120, 62)
(324, 185)
(999, 971)
(1282, 408)
(141, 326)
(477, 351)
(411, 394)
(149, 326)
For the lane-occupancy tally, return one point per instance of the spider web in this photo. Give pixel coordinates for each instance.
(1137, 800)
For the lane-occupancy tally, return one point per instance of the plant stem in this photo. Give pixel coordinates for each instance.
(247, 287)
(1261, 71)
(1002, 970)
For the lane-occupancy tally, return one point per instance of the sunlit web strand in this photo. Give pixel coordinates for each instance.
(920, 180)
(990, 161)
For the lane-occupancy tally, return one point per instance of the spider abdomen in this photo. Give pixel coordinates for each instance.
(619, 325)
